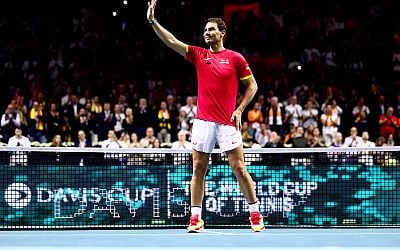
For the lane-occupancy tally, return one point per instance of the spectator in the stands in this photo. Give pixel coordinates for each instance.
(66, 99)
(338, 142)
(247, 134)
(56, 141)
(353, 139)
(22, 110)
(128, 124)
(263, 135)
(105, 121)
(255, 117)
(96, 108)
(164, 125)
(190, 108)
(308, 133)
(111, 141)
(317, 141)
(73, 108)
(183, 123)
(380, 141)
(275, 115)
(390, 141)
(10, 120)
(134, 141)
(19, 140)
(144, 117)
(330, 123)
(274, 141)
(124, 139)
(181, 143)
(36, 123)
(53, 120)
(83, 122)
(361, 114)
(148, 140)
(365, 142)
(298, 140)
(309, 115)
(119, 118)
(82, 141)
(388, 123)
(290, 133)
(293, 112)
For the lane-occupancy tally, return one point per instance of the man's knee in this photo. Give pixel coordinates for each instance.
(200, 163)
(199, 168)
(239, 169)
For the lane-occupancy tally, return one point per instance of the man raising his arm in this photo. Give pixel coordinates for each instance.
(217, 119)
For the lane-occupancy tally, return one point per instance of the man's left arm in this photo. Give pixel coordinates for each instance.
(251, 89)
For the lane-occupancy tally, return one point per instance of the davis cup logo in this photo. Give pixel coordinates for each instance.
(18, 195)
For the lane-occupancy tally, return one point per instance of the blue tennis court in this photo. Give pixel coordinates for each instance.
(276, 238)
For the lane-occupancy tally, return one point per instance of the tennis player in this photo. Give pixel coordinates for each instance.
(217, 119)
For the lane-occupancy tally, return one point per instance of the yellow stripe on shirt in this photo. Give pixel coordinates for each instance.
(246, 77)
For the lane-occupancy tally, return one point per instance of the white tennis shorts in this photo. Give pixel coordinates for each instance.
(206, 134)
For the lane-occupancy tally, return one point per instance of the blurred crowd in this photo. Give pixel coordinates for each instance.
(72, 74)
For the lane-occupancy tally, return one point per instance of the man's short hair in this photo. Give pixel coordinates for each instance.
(220, 23)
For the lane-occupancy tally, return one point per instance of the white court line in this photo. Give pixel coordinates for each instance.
(219, 233)
(194, 248)
(205, 233)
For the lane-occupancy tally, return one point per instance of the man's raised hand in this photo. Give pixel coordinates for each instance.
(150, 11)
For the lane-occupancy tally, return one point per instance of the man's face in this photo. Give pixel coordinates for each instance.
(353, 132)
(149, 132)
(81, 135)
(10, 109)
(390, 111)
(107, 106)
(18, 132)
(189, 100)
(111, 134)
(142, 102)
(182, 137)
(328, 109)
(170, 99)
(339, 137)
(365, 136)
(212, 35)
(74, 99)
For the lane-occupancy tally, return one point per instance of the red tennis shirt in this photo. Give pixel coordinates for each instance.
(218, 75)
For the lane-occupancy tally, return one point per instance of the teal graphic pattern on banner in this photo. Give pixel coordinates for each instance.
(57, 196)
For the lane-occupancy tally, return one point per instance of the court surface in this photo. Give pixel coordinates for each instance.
(273, 238)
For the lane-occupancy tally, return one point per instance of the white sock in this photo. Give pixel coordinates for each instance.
(254, 207)
(196, 210)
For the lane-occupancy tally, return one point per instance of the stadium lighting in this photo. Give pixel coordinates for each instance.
(114, 13)
(125, 2)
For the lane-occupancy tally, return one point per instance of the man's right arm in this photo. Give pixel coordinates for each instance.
(167, 37)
